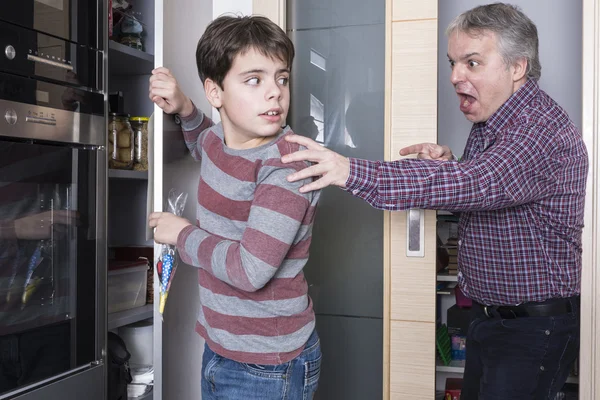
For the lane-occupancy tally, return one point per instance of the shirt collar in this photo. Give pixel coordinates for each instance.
(511, 108)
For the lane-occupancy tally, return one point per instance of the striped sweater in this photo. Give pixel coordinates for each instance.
(250, 243)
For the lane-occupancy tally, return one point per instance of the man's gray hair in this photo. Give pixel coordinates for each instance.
(516, 33)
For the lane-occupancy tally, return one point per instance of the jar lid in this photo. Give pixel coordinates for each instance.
(113, 114)
(139, 119)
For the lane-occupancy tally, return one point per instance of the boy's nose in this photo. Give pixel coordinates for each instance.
(274, 91)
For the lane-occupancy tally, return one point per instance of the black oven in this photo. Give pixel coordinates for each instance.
(74, 20)
(52, 209)
(40, 56)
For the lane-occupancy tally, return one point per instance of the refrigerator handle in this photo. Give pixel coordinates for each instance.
(415, 232)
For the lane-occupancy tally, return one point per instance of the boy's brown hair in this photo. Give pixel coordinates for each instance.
(227, 36)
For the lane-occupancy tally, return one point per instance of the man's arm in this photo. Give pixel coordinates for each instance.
(515, 170)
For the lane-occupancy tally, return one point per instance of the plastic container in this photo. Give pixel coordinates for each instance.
(120, 142)
(126, 285)
(138, 340)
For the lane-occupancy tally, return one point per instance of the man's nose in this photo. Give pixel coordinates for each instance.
(457, 76)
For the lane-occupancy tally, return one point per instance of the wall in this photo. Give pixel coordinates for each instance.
(560, 55)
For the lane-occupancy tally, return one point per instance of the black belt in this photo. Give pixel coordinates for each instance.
(551, 307)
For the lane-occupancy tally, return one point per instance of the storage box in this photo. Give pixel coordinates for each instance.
(126, 285)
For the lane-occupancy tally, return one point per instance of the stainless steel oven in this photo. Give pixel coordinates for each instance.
(52, 210)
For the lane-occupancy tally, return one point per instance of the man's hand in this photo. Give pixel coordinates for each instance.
(168, 226)
(429, 151)
(39, 226)
(332, 167)
(165, 92)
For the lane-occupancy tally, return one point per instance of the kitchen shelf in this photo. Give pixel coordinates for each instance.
(147, 396)
(127, 317)
(458, 367)
(127, 174)
(446, 277)
(125, 60)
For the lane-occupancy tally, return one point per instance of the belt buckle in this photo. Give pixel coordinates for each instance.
(486, 312)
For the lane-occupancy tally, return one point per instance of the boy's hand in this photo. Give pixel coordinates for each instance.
(165, 92)
(168, 226)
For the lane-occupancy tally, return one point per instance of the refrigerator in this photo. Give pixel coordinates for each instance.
(337, 98)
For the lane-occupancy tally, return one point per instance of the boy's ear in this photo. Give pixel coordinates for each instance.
(213, 93)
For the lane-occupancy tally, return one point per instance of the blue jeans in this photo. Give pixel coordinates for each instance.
(225, 379)
(527, 358)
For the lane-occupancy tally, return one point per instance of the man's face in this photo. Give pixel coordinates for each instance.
(255, 98)
(481, 78)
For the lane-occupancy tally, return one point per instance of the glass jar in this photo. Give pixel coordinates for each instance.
(132, 40)
(120, 142)
(140, 134)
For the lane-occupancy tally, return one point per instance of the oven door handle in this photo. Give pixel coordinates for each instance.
(31, 57)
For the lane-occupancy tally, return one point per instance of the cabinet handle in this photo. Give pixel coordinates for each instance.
(415, 232)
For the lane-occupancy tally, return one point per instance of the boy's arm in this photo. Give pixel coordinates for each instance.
(192, 127)
(278, 227)
(166, 93)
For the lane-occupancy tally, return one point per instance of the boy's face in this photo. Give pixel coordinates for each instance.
(254, 100)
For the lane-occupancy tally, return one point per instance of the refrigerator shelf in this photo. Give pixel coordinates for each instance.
(127, 317)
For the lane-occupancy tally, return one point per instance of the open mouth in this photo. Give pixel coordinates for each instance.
(271, 113)
(465, 100)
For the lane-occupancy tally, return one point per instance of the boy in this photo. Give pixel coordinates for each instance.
(253, 227)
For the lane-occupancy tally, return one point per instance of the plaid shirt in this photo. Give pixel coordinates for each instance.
(520, 191)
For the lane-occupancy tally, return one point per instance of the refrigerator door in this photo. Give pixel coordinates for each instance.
(352, 367)
(338, 100)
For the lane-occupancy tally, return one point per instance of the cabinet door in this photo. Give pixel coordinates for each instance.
(411, 114)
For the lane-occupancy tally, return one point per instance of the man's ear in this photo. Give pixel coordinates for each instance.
(213, 93)
(519, 69)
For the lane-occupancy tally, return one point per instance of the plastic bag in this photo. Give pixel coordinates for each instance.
(167, 262)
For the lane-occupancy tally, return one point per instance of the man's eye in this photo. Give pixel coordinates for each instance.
(451, 64)
(283, 81)
(252, 81)
(473, 63)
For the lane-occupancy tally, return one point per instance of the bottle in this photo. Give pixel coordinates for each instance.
(140, 132)
(120, 142)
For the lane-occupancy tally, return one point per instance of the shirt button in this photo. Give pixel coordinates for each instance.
(355, 192)
(460, 242)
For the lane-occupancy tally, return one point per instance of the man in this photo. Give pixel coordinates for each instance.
(520, 191)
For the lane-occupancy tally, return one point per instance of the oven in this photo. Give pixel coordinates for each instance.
(52, 209)
(74, 20)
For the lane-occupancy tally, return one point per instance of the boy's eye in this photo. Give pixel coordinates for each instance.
(283, 80)
(473, 63)
(252, 81)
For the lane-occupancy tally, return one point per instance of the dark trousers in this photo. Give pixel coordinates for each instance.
(523, 358)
